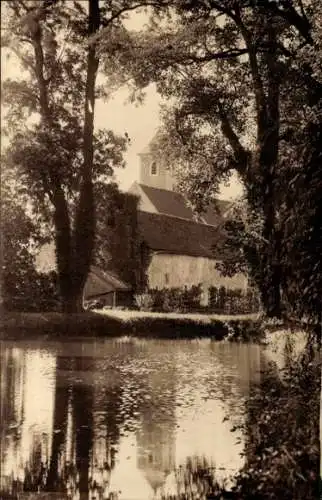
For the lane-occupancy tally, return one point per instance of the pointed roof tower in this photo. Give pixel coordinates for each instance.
(154, 171)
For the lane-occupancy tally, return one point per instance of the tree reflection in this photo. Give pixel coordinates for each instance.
(83, 422)
(197, 480)
(118, 405)
(11, 415)
(107, 420)
(62, 397)
(35, 469)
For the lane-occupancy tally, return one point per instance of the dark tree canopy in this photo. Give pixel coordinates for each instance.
(58, 155)
(242, 88)
(241, 82)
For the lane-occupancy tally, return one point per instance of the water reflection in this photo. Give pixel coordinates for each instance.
(156, 456)
(115, 419)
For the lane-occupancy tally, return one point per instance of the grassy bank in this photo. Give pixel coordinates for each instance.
(93, 324)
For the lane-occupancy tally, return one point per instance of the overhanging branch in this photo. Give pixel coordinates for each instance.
(116, 15)
(212, 56)
(241, 154)
(292, 17)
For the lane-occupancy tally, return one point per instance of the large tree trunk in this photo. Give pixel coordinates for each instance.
(271, 294)
(53, 184)
(73, 251)
(63, 246)
(84, 231)
(265, 162)
(268, 164)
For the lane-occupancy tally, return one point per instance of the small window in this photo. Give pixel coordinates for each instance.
(166, 278)
(154, 168)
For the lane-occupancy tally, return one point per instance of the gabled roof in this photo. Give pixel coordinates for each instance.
(174, 204)
(214, 214)
(101, 282)
(98, 282)
(168, 202)
(178, 236)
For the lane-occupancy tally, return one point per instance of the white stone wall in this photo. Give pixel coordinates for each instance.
(161, 180)
(145, 204)
(166, 270)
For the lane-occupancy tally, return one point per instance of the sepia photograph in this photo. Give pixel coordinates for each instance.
(161, 250)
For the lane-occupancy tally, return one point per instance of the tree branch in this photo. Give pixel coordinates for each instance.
(26, 40)
(39, 70)
(116, 15)
(226, 54)
(22, 3)
(241, 154)
(289, 14)
(224, 10)
(263, 47)
(258, 83)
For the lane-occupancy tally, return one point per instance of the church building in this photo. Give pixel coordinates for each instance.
(178, 247)
(181, 243)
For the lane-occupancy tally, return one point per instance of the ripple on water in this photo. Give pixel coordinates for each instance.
(128, 408)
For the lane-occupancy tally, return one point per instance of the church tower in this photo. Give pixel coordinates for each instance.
(154, 172)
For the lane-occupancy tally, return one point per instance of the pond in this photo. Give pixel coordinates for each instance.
(122, 418)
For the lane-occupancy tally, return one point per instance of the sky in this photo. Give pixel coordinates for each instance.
(139, 121)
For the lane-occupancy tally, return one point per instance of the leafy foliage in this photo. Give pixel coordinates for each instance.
(242, 89)
(282, 454)
(117, 245)
(176, 299)
(23, 288)
(221, 300)
(50, 123)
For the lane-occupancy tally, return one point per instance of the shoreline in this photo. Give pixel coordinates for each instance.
(116, 323)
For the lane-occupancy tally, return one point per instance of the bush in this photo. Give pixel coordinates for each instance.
(282, 425)
(225, 301)
(37, 292)
(144, 301)
(176, 299)
(221, 300)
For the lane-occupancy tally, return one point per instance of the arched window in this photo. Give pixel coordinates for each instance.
(154, 168)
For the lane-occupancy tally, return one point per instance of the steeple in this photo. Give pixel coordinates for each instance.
(153, 171)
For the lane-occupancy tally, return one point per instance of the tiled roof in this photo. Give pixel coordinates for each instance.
(171, 203)
(101, 282)
(168, 202)
(214, 215)
(178, 236)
